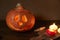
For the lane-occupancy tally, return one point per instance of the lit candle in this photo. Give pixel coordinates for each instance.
(52, 29)
(58, 30)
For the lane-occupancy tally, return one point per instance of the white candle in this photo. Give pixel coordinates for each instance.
(58, 30)
(53, 27)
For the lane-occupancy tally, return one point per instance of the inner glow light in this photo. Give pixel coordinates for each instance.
(24, 18)
(17, 18)
(20, 23)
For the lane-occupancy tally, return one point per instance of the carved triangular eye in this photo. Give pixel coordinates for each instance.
(24, 18)
(17, 18)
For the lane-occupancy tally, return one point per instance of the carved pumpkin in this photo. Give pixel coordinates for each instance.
(19, 19)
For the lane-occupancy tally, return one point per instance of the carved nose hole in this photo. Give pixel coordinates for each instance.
(20, 23)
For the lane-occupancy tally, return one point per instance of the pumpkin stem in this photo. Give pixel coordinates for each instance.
(18, 6)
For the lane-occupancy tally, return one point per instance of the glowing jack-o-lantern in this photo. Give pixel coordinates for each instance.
(19, 19)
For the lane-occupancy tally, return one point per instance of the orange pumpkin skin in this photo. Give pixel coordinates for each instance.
(19, 19)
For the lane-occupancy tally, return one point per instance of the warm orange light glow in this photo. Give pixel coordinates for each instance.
(53, 27)
(24, 18)
(17, 17)
(20, 23)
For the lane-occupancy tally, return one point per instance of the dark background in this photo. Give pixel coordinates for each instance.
(43, 9)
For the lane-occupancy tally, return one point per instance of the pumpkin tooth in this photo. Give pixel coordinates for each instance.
(17, 17)
(24, 18)
(20, 23)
